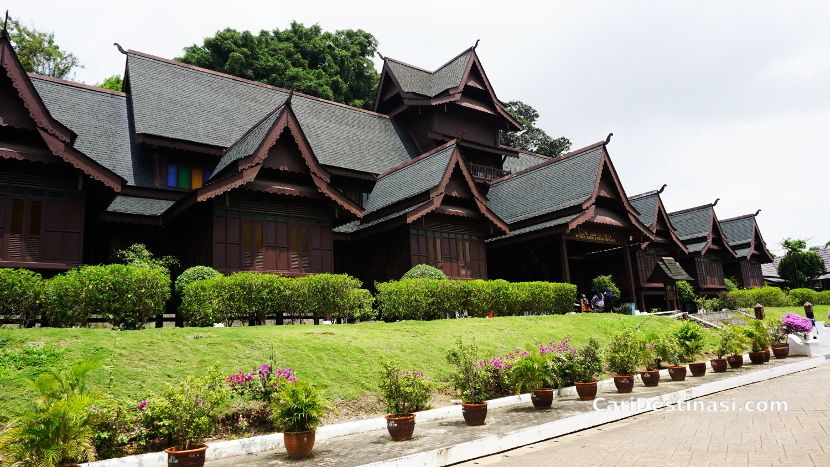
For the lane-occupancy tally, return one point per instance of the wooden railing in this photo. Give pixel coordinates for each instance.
(485, 172)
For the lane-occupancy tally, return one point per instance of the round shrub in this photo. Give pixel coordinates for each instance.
(603, 283)
(126, 296)
(799, 296)
(424, 271)
(685, 292)
(822, 298)
(200, 302)
(196, 273)
(21, 295)
(326, 295)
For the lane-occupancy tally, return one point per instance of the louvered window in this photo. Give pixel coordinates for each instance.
(253, 246)
(25, 229)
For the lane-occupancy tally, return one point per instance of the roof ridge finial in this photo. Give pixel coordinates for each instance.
(120, 49)
(287, 102)
(756, 213)
(380, 55)
(5, 31)
(716, 202)
(608, 138)
(476, 44)
(662, 188)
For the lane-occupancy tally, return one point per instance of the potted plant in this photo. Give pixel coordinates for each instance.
(791, 323)
(669, 352)
(404, 392)
(756, 332)
(534, 372)
(623, 355)
(587, 367)
(689, 337)
(727, 345)
(471, 382)
(296, 411)
(778, 335)
(651, 365)
(186, 412)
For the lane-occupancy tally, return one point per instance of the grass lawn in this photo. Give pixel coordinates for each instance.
(343, 359)
(776, 313)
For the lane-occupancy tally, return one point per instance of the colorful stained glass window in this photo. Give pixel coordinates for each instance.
(172, 175)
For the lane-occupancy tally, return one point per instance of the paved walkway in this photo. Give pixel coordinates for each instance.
(376, 445)
(800, 436)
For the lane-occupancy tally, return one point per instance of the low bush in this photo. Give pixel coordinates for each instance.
(427, 299)
(196, 273)
(747, 298)
(799, 296)
(331, 296)
(685, 292)
(21, 295)
(126, 296)
(822, 298)
(424, 271)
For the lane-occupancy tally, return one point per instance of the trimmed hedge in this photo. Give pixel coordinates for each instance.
(799, 296)
(21, 295)
(747, 298)
(428, 299)
(195, 273)
(126, 296)
(254, 296)
(424, 271)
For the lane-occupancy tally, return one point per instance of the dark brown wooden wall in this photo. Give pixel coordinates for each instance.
(459, 255)
(751, 275)
(709, 271)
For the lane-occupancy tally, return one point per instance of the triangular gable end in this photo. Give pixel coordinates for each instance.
(275, 151)
(56, 138)
(457, 171)
(475, 70)
(759, 246)
(716, 236)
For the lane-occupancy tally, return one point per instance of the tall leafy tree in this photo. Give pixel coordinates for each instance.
(531, 138)
(113, 83)
(39, 53)
(800, 267)
(332, 65)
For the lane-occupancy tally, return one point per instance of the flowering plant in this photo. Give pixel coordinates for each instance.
(186, 411)
(498, 369)
(262, 383)
(791, 322)
(469, 377)
(404, 392)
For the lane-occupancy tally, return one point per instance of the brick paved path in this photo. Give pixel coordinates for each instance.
(798, 437)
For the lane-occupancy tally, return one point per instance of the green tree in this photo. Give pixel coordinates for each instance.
(38, 52)
(799, 267)
(531, 138)
(332, 65)
(113, 83)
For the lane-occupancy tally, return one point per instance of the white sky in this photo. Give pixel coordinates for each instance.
(718, 99)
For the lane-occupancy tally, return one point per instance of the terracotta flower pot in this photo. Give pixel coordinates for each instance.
(781, 351)
(698, 368)
(542, 398)
(677, 373)
(650, 378)
(624, 383)
(474, 414)
(587, 390)
(718, 365)
(767, 355)
(757, 358)
(400, 427)
(193, 457)
(298, 444)
(735, 361)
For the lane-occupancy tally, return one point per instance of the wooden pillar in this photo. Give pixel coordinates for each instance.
(566, 270)
(630, 269)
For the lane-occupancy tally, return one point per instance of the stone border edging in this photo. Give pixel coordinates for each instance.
(506, 441)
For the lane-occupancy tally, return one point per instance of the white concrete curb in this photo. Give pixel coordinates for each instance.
(240, 447)
(506, 441)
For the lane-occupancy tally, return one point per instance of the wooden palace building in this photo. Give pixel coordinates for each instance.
(243, 176)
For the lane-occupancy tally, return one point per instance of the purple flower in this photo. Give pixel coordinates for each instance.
(94, 409)
(794, 323)
(142, 404)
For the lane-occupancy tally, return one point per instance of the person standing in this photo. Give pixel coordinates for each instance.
(608, 297)
(598, 302)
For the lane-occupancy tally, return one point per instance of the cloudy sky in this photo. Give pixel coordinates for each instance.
(717, 99)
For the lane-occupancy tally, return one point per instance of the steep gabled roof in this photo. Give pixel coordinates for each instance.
(186, 103)
(56, 136)
(243, 161)
(652, 211)
(744, 236)
(697, 227)
(428, 174)
(524, 160)
(430, 83)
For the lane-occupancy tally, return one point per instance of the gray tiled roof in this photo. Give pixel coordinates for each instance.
(422, 82)
(739, 230)
(99, 119)
(551, 187)
(410, 180)
(646, 205)
(535, 227)
(249, 142)
(524, 161)
(695, 247)
(180, 102)
(357, 225)
(673, 269)
(139, 206)
(693, 223)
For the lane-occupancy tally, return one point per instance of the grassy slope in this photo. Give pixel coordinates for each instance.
(819, 310)
(341, 358)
